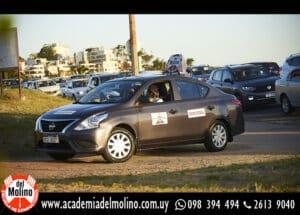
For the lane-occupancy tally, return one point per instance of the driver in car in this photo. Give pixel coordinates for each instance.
(154, 94)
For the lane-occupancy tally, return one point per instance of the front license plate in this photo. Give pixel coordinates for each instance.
(51, 139)
(268, 95)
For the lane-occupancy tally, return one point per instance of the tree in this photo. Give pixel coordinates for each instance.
(82, 69)
(158, 64)
(47, 52)
(189, 61)
(125, 66)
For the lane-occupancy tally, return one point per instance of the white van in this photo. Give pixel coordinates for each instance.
(46, 86)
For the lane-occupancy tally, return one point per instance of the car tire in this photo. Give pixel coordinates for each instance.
(74, 97)
(285, 104)
(120, 146)
(60, 156)
(217, 138)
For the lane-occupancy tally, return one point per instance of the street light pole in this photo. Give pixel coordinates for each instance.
(133, 45)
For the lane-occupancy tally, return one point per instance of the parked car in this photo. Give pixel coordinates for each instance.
(77, 77)
(288, 91)
(249, 83)
(12, 83)
(271, 66)
(61, 82)
(75, 88)
(134, 113)
(96, 80)
(44, 85)
(201, 72)
(290, 64)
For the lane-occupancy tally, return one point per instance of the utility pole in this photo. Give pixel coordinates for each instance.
(133, 45)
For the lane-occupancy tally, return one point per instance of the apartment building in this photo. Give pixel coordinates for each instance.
(35, 71)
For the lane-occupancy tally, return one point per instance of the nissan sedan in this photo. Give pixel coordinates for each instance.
(129, 114)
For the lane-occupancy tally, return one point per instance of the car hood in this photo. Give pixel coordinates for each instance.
(260, 81)
(49, 88)
(75, 111)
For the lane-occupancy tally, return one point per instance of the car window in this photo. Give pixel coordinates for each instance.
(217, 75)
(226, 75)
(112, 92)
(203, 90)
(294, 61)
(189, 90)
(157, 93)
(95, 81)
(295, 76)
(79, 83)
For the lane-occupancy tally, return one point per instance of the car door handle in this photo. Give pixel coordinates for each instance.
(173, 111)
(210, 107)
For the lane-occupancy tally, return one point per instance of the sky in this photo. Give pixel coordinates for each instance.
(209, 39)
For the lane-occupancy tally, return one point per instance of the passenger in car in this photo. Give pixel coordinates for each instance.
(154, 96)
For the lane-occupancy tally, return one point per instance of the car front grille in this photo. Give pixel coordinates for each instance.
(264, 88)
(54, 126)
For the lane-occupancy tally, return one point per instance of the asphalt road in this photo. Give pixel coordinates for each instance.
(269, 135)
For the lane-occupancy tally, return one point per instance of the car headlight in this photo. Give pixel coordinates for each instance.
(251, 89)
(80, 92)
(91, 122)
(38, 124)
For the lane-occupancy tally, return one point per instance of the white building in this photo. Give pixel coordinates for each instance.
(35, 61)
(92, 67)
(105, 60)
(81, 57)
(35, 71)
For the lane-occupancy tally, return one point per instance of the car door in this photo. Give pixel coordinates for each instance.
(194, 108)
(216, 80)
(69, 89)
(227, 82)
(294, 88)
(158, 122)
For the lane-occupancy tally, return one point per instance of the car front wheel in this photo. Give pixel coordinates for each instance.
(120, 146)
(286, 106)
(217, 138)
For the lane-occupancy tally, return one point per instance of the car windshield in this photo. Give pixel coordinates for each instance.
(112, 92)
(201, 70)
(249, 73)
(45, 83)
(81, 83)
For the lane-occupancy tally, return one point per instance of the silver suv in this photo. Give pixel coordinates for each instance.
(288, 86)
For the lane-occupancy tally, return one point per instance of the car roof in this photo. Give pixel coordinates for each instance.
(104, 75)
(153, 78)
(262, 62)
(77, 79)
(293, 55)
(239, 66)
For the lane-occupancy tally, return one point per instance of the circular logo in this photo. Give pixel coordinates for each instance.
(19, 193)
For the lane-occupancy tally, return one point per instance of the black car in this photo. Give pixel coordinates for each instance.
(123, 115)
(251, 84)
(201, 72)
(271, 66)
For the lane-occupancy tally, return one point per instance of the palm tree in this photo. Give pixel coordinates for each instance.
(189, 61)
